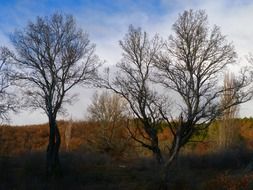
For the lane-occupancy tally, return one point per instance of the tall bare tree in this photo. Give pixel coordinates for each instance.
(7, 96)
(132, 82)
(192, 65)
(68, 134)
(227, 130)
(52, 56)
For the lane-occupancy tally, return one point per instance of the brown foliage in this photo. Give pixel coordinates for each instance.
(21, 139)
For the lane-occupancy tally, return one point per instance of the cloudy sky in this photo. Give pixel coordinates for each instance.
(107, 21)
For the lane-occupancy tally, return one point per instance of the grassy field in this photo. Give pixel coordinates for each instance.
(22, 163)
(97, 171)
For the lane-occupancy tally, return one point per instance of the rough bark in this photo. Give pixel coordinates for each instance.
(166, 174)
(158, 155)
(53, 162)
(156, 150)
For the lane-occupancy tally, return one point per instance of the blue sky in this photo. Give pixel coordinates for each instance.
(100, 17)
(14, 13)
(107, 21)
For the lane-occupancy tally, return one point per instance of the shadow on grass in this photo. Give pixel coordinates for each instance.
(93, 171)
(217, 170)
(89, 171)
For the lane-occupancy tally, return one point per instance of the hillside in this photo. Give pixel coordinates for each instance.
(21, 139)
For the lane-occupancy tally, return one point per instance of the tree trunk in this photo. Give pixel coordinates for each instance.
(159, 157)
(167, 165)
(154, 147)
(156, 151)
(53, 162)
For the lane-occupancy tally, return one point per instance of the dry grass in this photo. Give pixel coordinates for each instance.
(22, 162)
(94, 171)
(81, 171)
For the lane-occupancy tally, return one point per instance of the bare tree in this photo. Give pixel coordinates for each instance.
(192, 65)
(107, 108)
(52, 56)
(227, 129)
(132, 82)
(111, 113)
(7, 96)
(68, 133)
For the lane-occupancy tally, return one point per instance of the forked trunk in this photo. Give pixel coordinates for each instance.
(53, 162)
(154, 147)
(167, 165)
